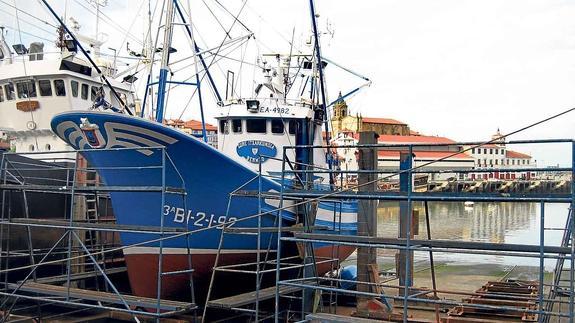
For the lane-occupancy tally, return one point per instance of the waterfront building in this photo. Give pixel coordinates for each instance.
(342, 120)
(496, 156)
(388, 159)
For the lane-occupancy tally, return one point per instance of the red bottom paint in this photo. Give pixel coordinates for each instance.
(143, 272)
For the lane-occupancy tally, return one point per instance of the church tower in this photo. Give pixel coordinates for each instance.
(340, 112)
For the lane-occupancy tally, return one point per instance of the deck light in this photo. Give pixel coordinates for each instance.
(253, 105)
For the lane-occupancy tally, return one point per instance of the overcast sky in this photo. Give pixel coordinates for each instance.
(455, 68)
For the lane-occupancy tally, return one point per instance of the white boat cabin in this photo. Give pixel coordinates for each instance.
(34, 86)
(260, 127)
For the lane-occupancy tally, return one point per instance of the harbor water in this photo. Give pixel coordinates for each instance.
(512, 223)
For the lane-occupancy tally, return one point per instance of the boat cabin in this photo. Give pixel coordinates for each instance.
(34, 86)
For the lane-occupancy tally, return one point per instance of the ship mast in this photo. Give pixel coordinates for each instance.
(168, 32)
(319, 66)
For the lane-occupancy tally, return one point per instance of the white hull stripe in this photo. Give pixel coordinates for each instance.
(184, 251)
(326, 215)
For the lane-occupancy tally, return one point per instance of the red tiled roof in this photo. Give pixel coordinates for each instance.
(4, 145)
(414, 139)
(516, 154)
(197, 125)
(190, 124)
(381, 120)
(489, 146)
(425, 154)
(172, 122)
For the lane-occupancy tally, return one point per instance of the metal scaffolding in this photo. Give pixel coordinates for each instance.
(543, 302)
(76, 270)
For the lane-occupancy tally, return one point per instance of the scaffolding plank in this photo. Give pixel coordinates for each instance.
(84, 189)
(449, 244)
(79, 276)
(275, 229)
(334, 318)
(92, 226)
(250, 297)
(84, 294)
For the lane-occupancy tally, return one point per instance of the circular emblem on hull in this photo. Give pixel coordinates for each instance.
(252, 150)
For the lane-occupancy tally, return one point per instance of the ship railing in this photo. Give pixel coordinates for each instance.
(403, 172)
(30, 57)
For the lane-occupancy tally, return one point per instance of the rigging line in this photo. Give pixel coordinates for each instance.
(239, 21)
(52, 33)
(202, 52)
(29, 34)
(215, 55)
(216, 18)
(229, 29)
(238, 81)
(201, 80)
(28, 14)
(271, 25)
(109, 21)
(132, 25)
(28, 86)
(220, 57)
(346, 69)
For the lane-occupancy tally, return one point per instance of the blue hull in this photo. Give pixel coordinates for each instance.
(205, 174)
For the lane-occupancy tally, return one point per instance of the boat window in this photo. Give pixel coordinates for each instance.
(84, 91)
(93, 93)
(237, 125)
(224, 127)
(277, 126)
(59, 87)
(1, 95)
(26, 89)
(9, 89)
(74, 86)
(256, 125)
(45, 87)
(293, 127)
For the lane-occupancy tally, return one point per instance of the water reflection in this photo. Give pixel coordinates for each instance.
(488, 222)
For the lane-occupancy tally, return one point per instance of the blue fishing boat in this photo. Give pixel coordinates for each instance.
(251, 136)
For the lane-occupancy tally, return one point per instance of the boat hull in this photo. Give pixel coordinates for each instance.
(152, 182)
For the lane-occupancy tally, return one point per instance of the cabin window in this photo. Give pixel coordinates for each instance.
(48, 147)
(59, 87)
(237, 125)
(84, 92)
(256, 125)
(74, 86)
(292, 127)
(9, 89)
(277, 126)
(224, 127)
(26, 89)
(45, 87)
(93, 93)
(1, 95)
